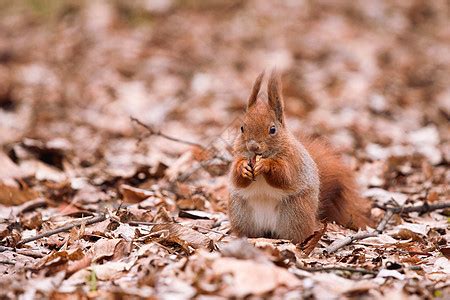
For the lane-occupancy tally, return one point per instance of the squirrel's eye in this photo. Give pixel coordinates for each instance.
(272, 130)
(242, 129)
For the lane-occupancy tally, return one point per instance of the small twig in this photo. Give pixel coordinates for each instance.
(151, 131)
(390, 211)
(347, 269)
(149, 235)
(424, 208)
(387, 216)
(207, 229)
(165, 247)
(155, 223)
(337, 244)
(136, 223)
(337, 268)
(416, 253)
(7, 262)
(32, 205)
(63, 229)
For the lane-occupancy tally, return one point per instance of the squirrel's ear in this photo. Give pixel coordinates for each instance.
(255, 90)
(275, 96)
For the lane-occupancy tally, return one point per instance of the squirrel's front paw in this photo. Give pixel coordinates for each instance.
(246, 170)
(261, 166)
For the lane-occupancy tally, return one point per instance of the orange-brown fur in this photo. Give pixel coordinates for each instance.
(303, 181)
(339, 200)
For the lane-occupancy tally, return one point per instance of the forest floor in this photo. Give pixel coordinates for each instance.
(145, 216)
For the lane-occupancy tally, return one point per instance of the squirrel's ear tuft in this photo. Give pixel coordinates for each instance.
(275, 95)
(255, 90)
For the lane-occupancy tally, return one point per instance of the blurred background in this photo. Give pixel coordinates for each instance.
(373, 76)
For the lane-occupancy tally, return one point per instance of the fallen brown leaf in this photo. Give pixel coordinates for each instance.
(196, 202)
(162, 216)
(432, 196)
(241, 249)
(32, 220)
(252, 278)
(308, 245)
(105, 248)
(4, 230)
(184, 236)
(134, 195)
(111, 269)
(9, 169)
(58, 261)
(75, 266)
(445, 251)
(11, 193)
(406, 234)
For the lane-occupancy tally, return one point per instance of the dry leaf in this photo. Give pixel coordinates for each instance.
(58, 261)
(9, 170)
(162, 216)
(384, 196)
(73, 72)
(241, 249)
(196, 202)
(184, 236)
(105, 248)
(442, 264)
(432, 197)
(195, 215)
(390, 273)
(381, 239)
(421, 229)
(11, 193)
(4, 230)
(134, 195)
(111, 270)
(32, 220)
(252, 278)
(406, 234)
(75, 266)
(329, 285)
(446, 252)
(308, 245)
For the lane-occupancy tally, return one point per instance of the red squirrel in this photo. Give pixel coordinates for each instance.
(281, 186)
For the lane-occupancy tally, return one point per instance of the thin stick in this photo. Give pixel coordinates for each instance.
(348, 269)
(387, 216)
(32, 205)
(136, 223)
(166, 248)
(207, 229)
(426, 207)
(151, 131)
(337, 268)
(390, 211)
(337, 244)
(63, 229)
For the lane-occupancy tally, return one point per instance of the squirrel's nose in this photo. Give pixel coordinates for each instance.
(253, 146)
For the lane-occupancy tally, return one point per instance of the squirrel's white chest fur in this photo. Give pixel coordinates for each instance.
(263, 201)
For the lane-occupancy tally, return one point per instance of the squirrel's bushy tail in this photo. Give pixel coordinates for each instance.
(339, 198)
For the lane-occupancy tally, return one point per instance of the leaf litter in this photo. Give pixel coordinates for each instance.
(143, 201)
